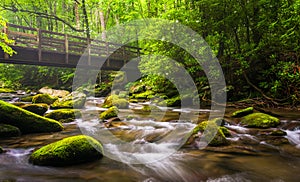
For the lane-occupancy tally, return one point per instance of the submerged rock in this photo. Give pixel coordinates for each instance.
(260, 120)
(64, 115)
(9, 131)
(110, 113)
(114, 100)
(69, 151)
(27, 121)
(242, 112)
(39, 109)
(43, 98)
(73, 100)
(209, 128)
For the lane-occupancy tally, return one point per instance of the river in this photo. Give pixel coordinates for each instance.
(251, 157)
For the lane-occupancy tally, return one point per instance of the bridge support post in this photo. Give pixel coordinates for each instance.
(66, 49)
(39, 40)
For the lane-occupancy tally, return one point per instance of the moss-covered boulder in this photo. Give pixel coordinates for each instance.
(64, 115)
(6, 90)
(114, 100)
(39, 109)
(26, 99)
(1, 150)
(68, 151)
(150, 108)
(242, 112)
(172, 102)
(209, 127)
(43, 98)
(148, 94)
(109, 113)
(73, 100)
(27, 121)
(9, 131)
(260, 120)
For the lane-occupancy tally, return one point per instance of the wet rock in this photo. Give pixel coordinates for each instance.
(27, 121)
(9, 131)
(53, 92)
(114, 100)
(260, 120)
(209, 128)
(6, 90)
(43, 98)
(26, 99)
(69, 151)
(278, 133)
(73, 100)
(242, 112)
(19, 104)
(114, 122)
(64, 115)
(150, 108)
(171, 102)
(39, 109)
(110, 113)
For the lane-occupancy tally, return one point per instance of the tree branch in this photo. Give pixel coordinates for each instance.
(43, 15)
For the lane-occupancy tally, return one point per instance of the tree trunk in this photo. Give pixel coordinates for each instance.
(86, 20)
(103, 25)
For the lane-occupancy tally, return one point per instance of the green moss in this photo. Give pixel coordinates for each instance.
(26, 99)
(6, 90)
(148, 94)
(1, 150)
(110, 113)
(137, 88)
(260, 120)
(242, 112)
(43, 98)
(209, 127)
(114, 100)
(73, 100)
(64, 115)
(39, 109)
(9, 131)
(172, 102)
(149, 108)
(27, 121)
(68, 151)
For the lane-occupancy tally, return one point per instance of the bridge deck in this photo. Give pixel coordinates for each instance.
(41, 47)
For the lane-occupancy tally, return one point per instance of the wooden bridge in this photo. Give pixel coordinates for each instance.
(41, 47)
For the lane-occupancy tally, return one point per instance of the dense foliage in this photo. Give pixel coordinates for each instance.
(256, 41)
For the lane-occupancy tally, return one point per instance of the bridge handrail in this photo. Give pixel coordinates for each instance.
(45, 40)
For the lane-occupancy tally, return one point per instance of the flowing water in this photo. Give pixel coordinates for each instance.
(140, 150)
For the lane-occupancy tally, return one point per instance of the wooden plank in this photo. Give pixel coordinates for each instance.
(12, 33)
(21, 27)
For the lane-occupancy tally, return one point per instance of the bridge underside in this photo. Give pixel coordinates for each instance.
(31, 56)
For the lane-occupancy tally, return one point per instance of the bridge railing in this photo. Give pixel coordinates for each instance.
(44, 40)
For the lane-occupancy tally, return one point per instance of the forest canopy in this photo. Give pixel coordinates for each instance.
(256, 41)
